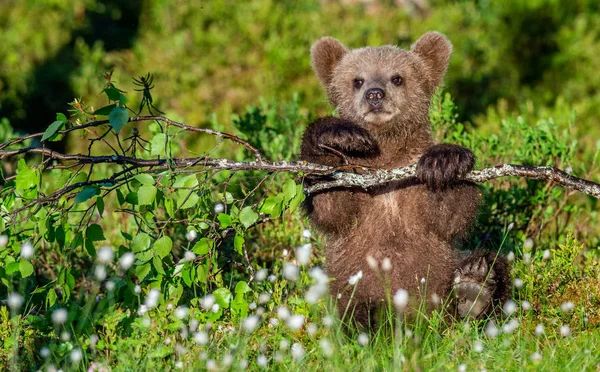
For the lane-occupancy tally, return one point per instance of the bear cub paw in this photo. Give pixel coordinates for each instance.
(345, 137)
(441, 165)
(474, 287)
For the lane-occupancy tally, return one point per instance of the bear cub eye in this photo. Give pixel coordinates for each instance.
(358, 83)
(396, 80)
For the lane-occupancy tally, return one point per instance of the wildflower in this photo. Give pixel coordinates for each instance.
(219, 208)
(509, 307)
(298, 351)
(326, 347)
(227, 360)
(93, 341)
(518, 282)
(363, 339)
(105, 255)
(355, 278)
(126, 260)
(215, 308)
(401, 299)
(565, 331)
(526, 305)
(3, 240)
(535, 357)
(142, 310)
(565, 307)
(27, 250)
(272, 278)
(152, 298)
(284, 344)
(539, 330)
(291, 271)
(491, 330)
(283, 313)
(546, 254)
(422, 281)
(261, 275)
(510, 256)
(76, 356)
(243, 364)
(328, 321)
(262, 361)
(510, 226)
(295, 322)
(137, 289)
(306, 234)
(45, 352)
(191, 235)
(462, 368)
(201, 338)
(211, 365)
(65, 336)
(100, 272)
(274, 322)
(372, 263)
(386, 264)
(511, 326)
(14, 301)
(207, 302)
(285, 253)
(193, 325)
(311, 329)
(528, 244)
(478, 346)
(303, 253)
(109, 285)
(263, 298)
(252, 306)
(189, 256)
(527, 258)
(59, 316)
(181, 312)
(250, 323)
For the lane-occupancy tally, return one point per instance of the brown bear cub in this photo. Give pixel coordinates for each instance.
(382, 96)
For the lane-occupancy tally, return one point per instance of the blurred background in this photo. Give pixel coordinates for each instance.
(535, 58)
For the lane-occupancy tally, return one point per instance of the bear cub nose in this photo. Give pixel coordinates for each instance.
(374, 96)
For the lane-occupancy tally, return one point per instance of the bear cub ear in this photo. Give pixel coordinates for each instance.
(434, 49)
(325, 54)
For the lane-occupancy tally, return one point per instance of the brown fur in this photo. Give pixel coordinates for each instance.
(415, 223)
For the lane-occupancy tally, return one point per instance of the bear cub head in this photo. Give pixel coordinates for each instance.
(385, 89)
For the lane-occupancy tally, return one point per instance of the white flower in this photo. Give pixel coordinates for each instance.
(262, 361)
(243, 364)
(303, 253)
(423, 281)
(528, 244)
(137, 289)
(478, 346)
(93, 341)
(328, 321)
(491, 330)
(511, 326)
(567, 306)
(211, 365)
(152, 298)
(355, 278)
(14, 301)
(386, 265)
(509, 307)
(285, 252)
(284, 344)
(526, 305)
(510, 226)
(76, 356)
(518, 282)
(227, 360)
(363, 339)
(59, 316)
(126, 260)
(535, 357)
(201, 338)
(193, 325)
(311, 329)
(219, 208)
(565, 331)
(250, 323)
(3, 240)
(261, 275)
(298, 351)
(215, 308)
(462, 368)
(306, 234)
(207, 302)
(372, 263)
(105, 255)
(100, 272)
(191, 235)
(510, 257)
(109, 285)
(295, 322)
(546, 255)
(326, 347)
(65, 336)
(291, 271)
(189, 256)
(283, 313)
(27, 250)
(527, 258)
(181, 312)
(274, 322)
(272, 278)
(539, 330)
(263, 298)
(401, 299)
(252, 306)
(142, 310)
(45, 352)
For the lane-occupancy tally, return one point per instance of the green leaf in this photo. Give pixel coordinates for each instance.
(145, 179)
(298, 199)
(27, 178)
(184, 201)
(242, 287)
(100, 205)
(289, 190)
(224, 220)
(222, 297)
(163, 246)
(118, 117)
(104, 111)
(141, 242)
(26, 268)
(157, 144)
(146, 194)
(112, 93)
(132, 198)
(85, 194)
(51, 297)
(52, 129)
(12, 267)
(248, 217)
(94, 233)
(142, 271)
(61, 117)
(189, 182)
(238, 244)
(272, 206)
(157, 263)
(202, 246)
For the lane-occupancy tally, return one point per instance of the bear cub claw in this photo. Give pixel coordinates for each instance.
(345, 137)
(474, 287)
(441, 165)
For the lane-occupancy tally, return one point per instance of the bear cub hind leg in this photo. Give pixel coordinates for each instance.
(481, 282)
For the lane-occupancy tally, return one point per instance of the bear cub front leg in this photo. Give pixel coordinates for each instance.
(441, 165)
(330, 140)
